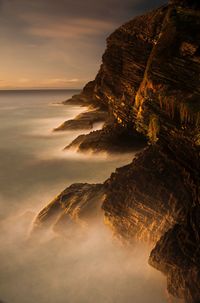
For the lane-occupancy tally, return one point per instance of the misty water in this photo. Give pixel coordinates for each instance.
(33, 170)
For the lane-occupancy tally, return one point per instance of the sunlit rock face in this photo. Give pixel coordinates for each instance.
(149, 82)
(76, 207)
(124, 63)
(156, 193)
(147, 197)
(168, 98)
(118, 80)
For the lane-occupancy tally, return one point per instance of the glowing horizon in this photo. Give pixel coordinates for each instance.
(51, 84)
(48, 44)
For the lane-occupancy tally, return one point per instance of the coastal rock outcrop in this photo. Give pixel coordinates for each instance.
(137, 205)
(77, 206)
(111, 138)
(85, 120)
(177, 255)
(120, 75)
(85, 97)
(149, 85)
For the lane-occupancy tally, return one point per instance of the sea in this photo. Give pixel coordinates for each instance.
(34, 168)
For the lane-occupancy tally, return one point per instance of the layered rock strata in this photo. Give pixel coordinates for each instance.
(120, 75)
(85, 120)
(111, 138)
(149, 83)
(77, 206)
(177, 255)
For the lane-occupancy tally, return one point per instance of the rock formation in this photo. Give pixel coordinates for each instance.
(149, 83)
(76, 206)
(177, 255)
(85, 120)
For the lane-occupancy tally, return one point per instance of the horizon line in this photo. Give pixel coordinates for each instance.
(37, 89)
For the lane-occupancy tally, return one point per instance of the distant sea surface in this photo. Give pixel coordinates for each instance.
(33, 165)
(33, 170)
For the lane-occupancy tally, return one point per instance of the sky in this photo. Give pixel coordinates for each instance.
(58, 43)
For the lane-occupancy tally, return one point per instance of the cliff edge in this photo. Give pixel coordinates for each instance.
(150, 86)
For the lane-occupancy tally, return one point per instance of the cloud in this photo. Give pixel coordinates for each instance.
(62, 39)
(62, 19)
(109, 10)
(24, 80)
(61, 81)
(73, 28)
(73, 80)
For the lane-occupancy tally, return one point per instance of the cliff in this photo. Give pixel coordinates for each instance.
(149, 84)
(128, 49)
(177, 255)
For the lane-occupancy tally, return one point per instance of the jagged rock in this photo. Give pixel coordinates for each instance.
(177, 254)
(112, 138)
(145, 198)
(77, 206)
(124, 63)
(168, 98)
(84, 120)
(128, 49)
(85, 97)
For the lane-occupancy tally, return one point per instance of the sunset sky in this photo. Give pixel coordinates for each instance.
(58, 43)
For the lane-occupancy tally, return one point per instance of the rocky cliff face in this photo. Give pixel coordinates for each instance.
(128, 50)
(77, 206)
(137, 205)
(177, 255)
(149, 82)
(117, 82)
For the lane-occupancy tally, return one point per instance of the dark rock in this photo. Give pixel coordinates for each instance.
(84, 98)
(177, 254)
(112, 138)
(194, 4)
(84, 120)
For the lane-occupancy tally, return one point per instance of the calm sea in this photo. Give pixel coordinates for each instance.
(33, 170)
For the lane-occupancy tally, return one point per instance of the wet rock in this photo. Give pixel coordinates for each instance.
(75, 208)
(111, 139)
(84, 120)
